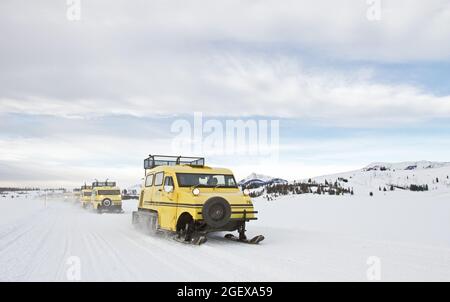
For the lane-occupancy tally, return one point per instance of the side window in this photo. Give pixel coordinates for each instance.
(159, 178)
(168, 181)
(149, 180)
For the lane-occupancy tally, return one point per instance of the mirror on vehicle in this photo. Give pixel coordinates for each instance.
(168, 189)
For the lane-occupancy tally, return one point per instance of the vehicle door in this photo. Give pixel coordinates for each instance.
(93, 197)
(168, 197)
(157, 187)
(168, 192)
(147, 192)
(164, 209)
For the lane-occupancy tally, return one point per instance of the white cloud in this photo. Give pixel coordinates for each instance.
(173, 57)
(264, 85)
(408, 30)
(53, 161)
(222, 58)
(71, 160)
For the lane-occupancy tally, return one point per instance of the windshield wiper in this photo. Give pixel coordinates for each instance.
(194, 186)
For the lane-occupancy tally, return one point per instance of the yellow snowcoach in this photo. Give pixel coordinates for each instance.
(183, 196)
(85, 195)
(76, 193)
(106, 197)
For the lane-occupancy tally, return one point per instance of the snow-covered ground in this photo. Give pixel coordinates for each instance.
(308, 238)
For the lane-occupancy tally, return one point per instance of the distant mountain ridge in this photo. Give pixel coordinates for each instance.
(257, 180)
(407, 165)
(256, 176)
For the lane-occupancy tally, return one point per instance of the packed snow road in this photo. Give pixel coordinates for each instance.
(39, 241)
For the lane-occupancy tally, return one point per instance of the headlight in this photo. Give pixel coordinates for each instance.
(196, 191)
(246, 192)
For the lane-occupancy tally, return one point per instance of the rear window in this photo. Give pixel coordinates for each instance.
(108, 192)
(149, 180)
(87, 193)
(159, 178)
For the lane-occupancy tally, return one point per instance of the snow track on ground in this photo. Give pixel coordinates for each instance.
(36, 241)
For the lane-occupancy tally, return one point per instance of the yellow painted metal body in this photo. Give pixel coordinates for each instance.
(97, 198)
(170, 206)
(85, 197)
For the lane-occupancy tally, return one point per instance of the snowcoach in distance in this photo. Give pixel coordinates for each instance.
(85, 195)
(106, 197)
(76, 192)
(183, 196)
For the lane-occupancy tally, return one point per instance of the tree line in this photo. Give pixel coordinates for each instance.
(303, 188)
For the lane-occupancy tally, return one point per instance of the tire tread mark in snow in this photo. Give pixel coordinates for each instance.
(175, 262)
(23, 257)
(41, 248)
(21, 226)
(112, 253)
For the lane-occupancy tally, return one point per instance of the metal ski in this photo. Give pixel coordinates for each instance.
(254, 240)
(194, 241)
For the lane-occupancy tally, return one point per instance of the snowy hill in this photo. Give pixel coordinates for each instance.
(434, 175)
(131, 192)
(253, 176)
(419, 165)
(134, 190)
(257, 180)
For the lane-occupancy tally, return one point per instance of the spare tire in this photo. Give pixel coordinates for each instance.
(216, 212)
(106, 202)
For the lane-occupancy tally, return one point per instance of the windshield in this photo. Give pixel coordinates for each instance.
(108, 192)
(206, 180)
(87, 193)
(103, 184)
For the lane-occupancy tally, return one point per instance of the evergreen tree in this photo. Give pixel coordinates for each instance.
(319, 190)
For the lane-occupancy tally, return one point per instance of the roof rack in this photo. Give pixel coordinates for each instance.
(167, 160)
(103, 184)
(86, 187)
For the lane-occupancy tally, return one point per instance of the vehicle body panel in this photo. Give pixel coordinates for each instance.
(171, 205)
(97, 197)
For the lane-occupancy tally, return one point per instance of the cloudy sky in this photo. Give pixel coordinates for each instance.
(348, 84)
